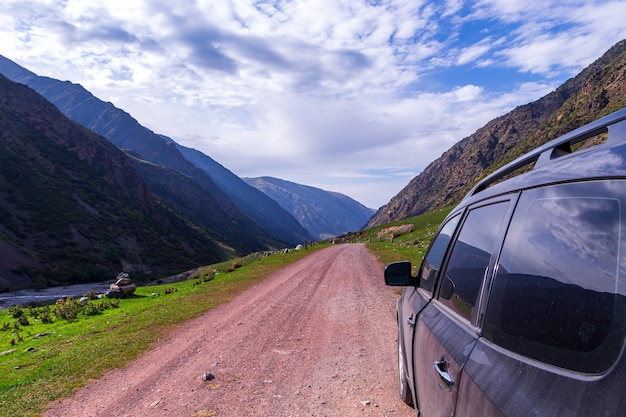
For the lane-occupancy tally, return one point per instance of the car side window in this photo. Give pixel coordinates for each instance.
(470, 259)
(434, 257)
(558, 294)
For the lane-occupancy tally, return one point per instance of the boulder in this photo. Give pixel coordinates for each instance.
(123, 287)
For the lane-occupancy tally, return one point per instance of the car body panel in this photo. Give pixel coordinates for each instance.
(496, 383)
(439, 340)
(411, 303)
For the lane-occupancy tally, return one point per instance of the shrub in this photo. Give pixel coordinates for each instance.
(33, 312)
(92, 309)
(46, 318)
(204, 276)
(237, 263)
(16, 338)
(66, 309)
(16, 311)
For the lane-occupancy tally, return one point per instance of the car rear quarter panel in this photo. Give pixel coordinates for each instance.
(496, 382)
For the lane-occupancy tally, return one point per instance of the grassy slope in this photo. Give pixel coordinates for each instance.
(405, 245)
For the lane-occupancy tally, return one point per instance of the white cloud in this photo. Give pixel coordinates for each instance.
(553, 36)
(323, 92)
(473, 53)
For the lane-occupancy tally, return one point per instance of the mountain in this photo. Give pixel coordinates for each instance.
(253, 216)
(324, 214)
(597, 91)
(74, 208)
(276, 219)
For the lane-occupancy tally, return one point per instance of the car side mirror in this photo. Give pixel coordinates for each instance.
(398, 274)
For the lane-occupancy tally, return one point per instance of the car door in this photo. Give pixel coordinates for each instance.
(446, 329)
(415, 298)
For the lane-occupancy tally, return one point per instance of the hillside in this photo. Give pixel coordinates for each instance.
(278, 221)
(74, 208)
(251, 215)
(597, 91)
(323, 213)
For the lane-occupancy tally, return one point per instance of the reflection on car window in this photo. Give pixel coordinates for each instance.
(432, 262)
(470, 259)
(555, 295)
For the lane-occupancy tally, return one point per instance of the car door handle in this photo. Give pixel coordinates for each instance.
(445, 379)
(411, 321)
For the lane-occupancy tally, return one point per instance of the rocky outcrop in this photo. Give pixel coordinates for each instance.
(122, 287)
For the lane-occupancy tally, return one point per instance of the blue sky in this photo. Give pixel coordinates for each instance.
(350, 96)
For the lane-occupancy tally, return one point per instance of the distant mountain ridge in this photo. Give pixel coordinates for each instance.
(249, 211)
(252, 201)
(323, 213)
(597, 91)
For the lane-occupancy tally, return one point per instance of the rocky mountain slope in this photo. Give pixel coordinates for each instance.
(74, 208)
(597, 91)
(323, 213)
(233, 201)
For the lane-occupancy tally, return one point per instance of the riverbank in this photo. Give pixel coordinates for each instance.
(49, 295)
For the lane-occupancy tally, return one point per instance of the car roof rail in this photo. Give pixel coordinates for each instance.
(561, 146)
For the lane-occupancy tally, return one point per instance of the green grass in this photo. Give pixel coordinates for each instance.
(410, 246)
(37, 370)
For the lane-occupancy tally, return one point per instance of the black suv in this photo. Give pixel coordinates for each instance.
(518, 308)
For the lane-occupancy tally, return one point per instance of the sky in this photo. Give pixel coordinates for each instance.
(356, 96)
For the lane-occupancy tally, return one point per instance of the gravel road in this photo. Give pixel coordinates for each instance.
(318, 338)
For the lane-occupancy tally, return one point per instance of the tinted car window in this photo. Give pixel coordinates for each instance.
(470, 259)
(558, 292)
(432, 262)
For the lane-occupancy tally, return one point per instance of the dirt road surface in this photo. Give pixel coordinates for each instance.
(318, 338)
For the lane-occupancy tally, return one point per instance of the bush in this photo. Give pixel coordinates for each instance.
(237, 263)
(16, 311)
(46, 318)
(92, 309)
